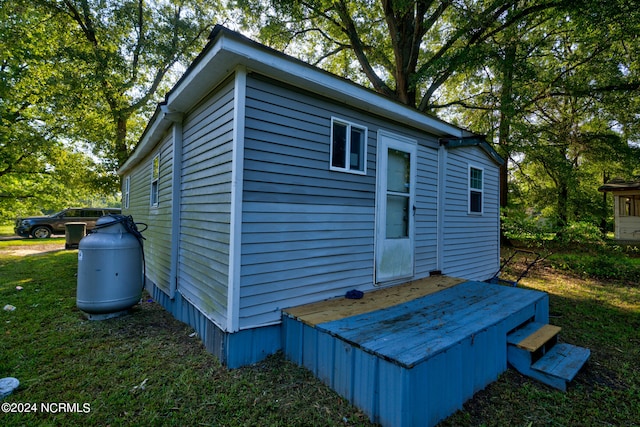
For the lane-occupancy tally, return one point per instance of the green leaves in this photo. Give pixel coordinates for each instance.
(78, 80)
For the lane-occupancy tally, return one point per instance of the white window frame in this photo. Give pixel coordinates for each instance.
(127, 188)
(155, 181)
(471, 189)
(347, 168)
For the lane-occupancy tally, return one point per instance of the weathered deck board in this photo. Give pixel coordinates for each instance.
(563, 361)
(340, 308)
(411, 332)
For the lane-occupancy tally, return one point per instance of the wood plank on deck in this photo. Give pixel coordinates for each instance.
(539, 338)
(341, 308)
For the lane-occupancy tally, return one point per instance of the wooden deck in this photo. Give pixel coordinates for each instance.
(340, 308)
(413, 354)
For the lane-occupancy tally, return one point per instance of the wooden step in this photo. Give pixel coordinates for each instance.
(563, 361)
(533, 336)
(535, 352)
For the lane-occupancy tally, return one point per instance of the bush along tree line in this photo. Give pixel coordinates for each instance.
(553, 84)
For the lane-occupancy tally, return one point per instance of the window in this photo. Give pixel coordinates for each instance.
(73, 213)
(475, 190)
(125, 193)
(629, 205)
(91, 213)
(348, 147)
(155, 175)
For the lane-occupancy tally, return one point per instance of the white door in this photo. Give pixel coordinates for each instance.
(395, 207)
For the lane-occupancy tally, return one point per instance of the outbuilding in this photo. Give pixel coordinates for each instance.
(626, 208)
(267, 183)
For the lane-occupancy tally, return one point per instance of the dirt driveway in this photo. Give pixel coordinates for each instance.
(37, 248)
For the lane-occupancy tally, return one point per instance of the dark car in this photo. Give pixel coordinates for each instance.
(41, 227)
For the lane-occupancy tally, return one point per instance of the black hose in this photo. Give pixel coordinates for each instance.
(131, 227)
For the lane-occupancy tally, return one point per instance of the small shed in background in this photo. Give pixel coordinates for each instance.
(626, 208)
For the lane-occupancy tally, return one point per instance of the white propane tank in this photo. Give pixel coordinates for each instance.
(110, 268)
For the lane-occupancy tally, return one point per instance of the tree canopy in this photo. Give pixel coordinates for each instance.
(79, 78)
(553, 83)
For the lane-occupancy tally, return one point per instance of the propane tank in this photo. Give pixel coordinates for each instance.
(110, 268)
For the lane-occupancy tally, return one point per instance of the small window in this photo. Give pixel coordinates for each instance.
(630, 205)
(348, 147)
(125, 192)
(475, 190)
(155, 175)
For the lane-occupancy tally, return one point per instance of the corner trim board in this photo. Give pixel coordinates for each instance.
(235, 238)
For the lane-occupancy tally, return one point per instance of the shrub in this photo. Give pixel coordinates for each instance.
(611, 266)
(580, 232)
(518, 225)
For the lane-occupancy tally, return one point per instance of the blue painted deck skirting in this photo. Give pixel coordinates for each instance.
(416, 363)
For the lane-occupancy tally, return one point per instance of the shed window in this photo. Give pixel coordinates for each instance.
(475, 189)
(348, 147)
(630, 205)
(125, 192)
(155, 176)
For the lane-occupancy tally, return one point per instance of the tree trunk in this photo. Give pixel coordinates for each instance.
(506, 114)
(563, 197)
(121, 150)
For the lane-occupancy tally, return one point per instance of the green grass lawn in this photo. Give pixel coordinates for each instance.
(149, 369)
(6, 230)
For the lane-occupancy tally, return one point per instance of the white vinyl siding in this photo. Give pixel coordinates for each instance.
(157, 243)
(426, 210)
(470, 242)
(308, 232)
(203, 263)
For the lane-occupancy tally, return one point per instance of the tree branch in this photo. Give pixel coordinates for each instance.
(358, 48)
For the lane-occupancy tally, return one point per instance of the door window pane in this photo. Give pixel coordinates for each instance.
(398, 168)
(397, 217)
